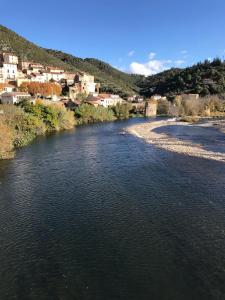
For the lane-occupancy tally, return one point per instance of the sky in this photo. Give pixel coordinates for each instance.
(143, 37)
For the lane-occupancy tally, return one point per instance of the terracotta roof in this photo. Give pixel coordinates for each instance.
(92, 102)
(105, 95)
(9, 85)
(37, 74)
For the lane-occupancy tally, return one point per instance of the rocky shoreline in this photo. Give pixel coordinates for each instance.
(147, 131)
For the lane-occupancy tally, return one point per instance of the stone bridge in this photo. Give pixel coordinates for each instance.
(148, 108)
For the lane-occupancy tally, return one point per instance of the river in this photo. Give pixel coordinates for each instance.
(95, 214)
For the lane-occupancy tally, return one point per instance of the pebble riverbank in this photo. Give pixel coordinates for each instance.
(167, 142)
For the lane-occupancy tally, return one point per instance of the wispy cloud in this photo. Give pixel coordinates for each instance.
(131, 53)
(151, 55)
(184, 52)
(179, 62)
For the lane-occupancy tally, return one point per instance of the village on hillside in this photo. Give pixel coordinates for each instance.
(17, 75)
(22, 79)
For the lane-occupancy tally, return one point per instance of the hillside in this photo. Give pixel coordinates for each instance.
(204, 78)
(10, 41)
(111, 79)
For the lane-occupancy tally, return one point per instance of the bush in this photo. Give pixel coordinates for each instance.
(6, 140)
(54, 116)
(163, 107)
(86, 113)
(122, 111)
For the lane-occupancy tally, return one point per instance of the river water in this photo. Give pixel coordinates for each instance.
(95, 214)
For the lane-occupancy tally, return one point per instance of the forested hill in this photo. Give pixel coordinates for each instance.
(111, 79)
(204, 78)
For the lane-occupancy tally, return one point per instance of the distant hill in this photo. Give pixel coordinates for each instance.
(111, 79)
(204, 78)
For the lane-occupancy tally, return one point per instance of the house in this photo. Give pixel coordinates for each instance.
(55, 70)
(9, 58)
(110, 100)
(8, 88)
(135, 99)
(156, 97)
(86, 83)
(14, 97)
(9, 71)
(95, 101)
(105, 100)
(53, 76)
(24, 64)
(70, 77)
(37, 77)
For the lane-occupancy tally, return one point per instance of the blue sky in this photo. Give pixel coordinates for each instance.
(135, 36)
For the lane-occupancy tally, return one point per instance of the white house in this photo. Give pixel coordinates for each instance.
(9, 58)
(37, 77)
(14, 97)
(105, 100)
(9, 71)
(110, 100)
(53, 76)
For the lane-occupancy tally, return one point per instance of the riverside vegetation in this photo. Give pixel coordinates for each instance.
(19, 125)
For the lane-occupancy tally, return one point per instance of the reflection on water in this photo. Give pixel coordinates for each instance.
(93, 214)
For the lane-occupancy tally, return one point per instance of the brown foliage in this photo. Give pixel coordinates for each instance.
(42, 89)
(6, 140)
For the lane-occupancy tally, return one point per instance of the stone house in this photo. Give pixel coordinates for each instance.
(14, 97)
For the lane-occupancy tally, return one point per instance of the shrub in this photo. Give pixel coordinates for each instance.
(122, 111)
(86, 113)
(6, 140)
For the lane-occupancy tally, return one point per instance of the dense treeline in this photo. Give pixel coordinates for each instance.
(206, 78)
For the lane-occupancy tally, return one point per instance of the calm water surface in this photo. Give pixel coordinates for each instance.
(95, 214)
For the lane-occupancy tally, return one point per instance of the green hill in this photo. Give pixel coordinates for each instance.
(10, 41)
(203, 78)
(111, 79)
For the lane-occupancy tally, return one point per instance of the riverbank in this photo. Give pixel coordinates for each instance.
(161, 134)
(19, 125)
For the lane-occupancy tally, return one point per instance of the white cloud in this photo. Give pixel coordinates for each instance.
(184, 52)
(150, 68)
(154, 66)
(179, 62)
(151, 55)
(131, 53)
